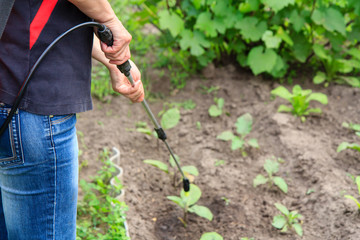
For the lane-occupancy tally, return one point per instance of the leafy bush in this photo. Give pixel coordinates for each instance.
(100, 214)
(265, 35)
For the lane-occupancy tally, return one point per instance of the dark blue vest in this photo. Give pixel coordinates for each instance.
(61, 84)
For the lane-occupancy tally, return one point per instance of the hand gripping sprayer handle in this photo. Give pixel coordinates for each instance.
(105, 35)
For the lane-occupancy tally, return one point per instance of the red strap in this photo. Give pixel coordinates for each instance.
(40, 19)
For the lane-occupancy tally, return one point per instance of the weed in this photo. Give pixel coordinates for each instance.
(219, 162)
(243, 128)
(187, 201)
(271, 167)
(198, 125)
(300, 100)
(346, 145)
(287, 220)
(100, 215)
(357, 182)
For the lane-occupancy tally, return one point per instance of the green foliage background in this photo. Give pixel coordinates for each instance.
(267, 36)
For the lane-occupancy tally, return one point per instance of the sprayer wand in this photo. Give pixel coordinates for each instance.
(105, 36)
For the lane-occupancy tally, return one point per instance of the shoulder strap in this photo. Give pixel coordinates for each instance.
(5, 9)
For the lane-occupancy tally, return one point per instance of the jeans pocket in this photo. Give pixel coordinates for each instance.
(11, 152)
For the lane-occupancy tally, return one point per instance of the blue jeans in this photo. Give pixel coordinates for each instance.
(38, 177)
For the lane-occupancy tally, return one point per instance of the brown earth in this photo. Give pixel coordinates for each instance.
(309, 151)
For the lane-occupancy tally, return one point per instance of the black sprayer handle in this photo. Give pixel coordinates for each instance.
(105, 35)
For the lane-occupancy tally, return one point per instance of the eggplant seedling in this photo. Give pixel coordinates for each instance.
(243, 128)
(346, 145)
(211, 236)
(187, 201)
(357, 181)
(300, 100)
(189, 171)
(216, 109)
(271, 167)
(287, 220)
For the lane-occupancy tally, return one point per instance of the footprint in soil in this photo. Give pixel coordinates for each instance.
(167, 226)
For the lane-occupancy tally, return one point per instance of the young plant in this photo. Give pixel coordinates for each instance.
(170, 118)
(243, 128)
(216, 109)
(357, 181)
(187, 201)
(300, 100)
(211, 236)
(271, 167)
(346, 145)
(287, 220)
(189, 171)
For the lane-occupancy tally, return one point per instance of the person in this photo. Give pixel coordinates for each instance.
(38, 151)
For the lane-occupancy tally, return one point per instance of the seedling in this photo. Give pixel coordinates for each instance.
(219, 162)
(226, 200)
(198, 125)
(346, 145)
(357, 181)
(287, 220)
(300, 100)
(216, 109)
(243, 128)
(187, 201)
(271, 167)
(189, 171)
(209, 90)
(211, 236)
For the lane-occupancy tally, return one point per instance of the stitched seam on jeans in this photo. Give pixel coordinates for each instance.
(62, 119)
(55, 159)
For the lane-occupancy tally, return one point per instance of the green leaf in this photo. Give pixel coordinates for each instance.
(357, 181)
(320, 97)
(346, 145)
(298, 229)
(331, 19)
(220, 102)
(226, 136)
(259, 180)
(193, 195)
(249, 6)
(251, 28)
(354, 199)
(354, 52)
(211, 236)
(270, 40)
(160, 165)
(279, 221)
(319, 78)
(253, 143)
(352, 81)
(176, 200)
(280, 182)
(260, 61)
(301, 48)
(170, 118)
(190, 170)
(282, 209)
(202, 212)
(206, 24)
(271, 167)
(277, 5)
(194, 40)
(297, 20)
(356, 5)
(282, 92)
(320, 51)
(313, 110)
(281, 33)
(237, 143)
(244, 124)
(283, 108)
(214, 111)
(171, 21)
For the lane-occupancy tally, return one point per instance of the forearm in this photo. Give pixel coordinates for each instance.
(100, 10)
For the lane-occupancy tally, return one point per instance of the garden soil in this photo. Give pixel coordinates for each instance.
(317, 176)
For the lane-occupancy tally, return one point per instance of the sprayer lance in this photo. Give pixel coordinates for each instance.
(105, 36)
